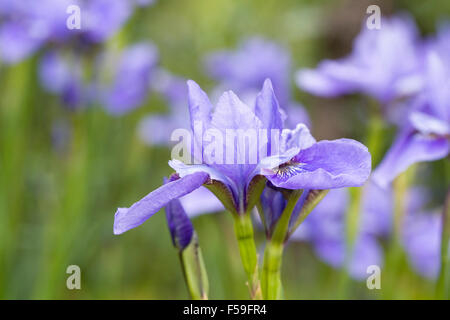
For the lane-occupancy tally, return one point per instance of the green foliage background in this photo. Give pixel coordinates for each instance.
(57, 208)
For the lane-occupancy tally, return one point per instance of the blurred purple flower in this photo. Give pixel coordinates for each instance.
(323, 165)
(61, 135)
(422, 242)
(245, 70)
(384, 64)
(156, 129)
(103, 18)
(426, 133)
(325, 229)
(131, 80)
(201, 201)
(250, 65)
(421, 231)
(144, 3)
(60, 77)
(27, 25)
(376, 208)
(61, 73)
(366, 252)
(326, 222)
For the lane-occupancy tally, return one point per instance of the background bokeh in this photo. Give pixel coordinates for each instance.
(64, 171)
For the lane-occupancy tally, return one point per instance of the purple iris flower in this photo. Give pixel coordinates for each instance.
(422, 241)
(367, 251)
(144, 3)
(384, 64)
(181, 229)
(307, 164)
(60, 76)
(103, 18)
(28, 25)
(131, 80)
(156, 129)
(245, 70)
(325, 229)
(376, 208)
(425, 135)
(421, 233)
(60, 73)
(302, 163)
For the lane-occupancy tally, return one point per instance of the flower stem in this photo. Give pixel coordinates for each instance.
(271, 273)
(244, 234)
(395, 254)
(352, 231)
(194, 270)
(442, 286)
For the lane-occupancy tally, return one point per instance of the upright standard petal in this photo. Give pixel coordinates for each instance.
(240, 126)
(200, 107)
(200, 110)
(128, 218)
(325, 165)
(267, 108)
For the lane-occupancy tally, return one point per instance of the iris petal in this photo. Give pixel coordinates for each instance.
(128, 218)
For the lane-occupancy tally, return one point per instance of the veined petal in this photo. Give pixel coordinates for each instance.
(184, 170)
(267, 165)
(300, 137)
(128, 218)
(232, 115)
(409, 148)
(325, 165)
(267, 108)
(200, 107)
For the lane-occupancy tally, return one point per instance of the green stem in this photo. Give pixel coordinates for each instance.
(374, 141)
(395, 255)
(244, 234)
(352, 230)
(442, 286)
(271, 273)
(194, 270)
